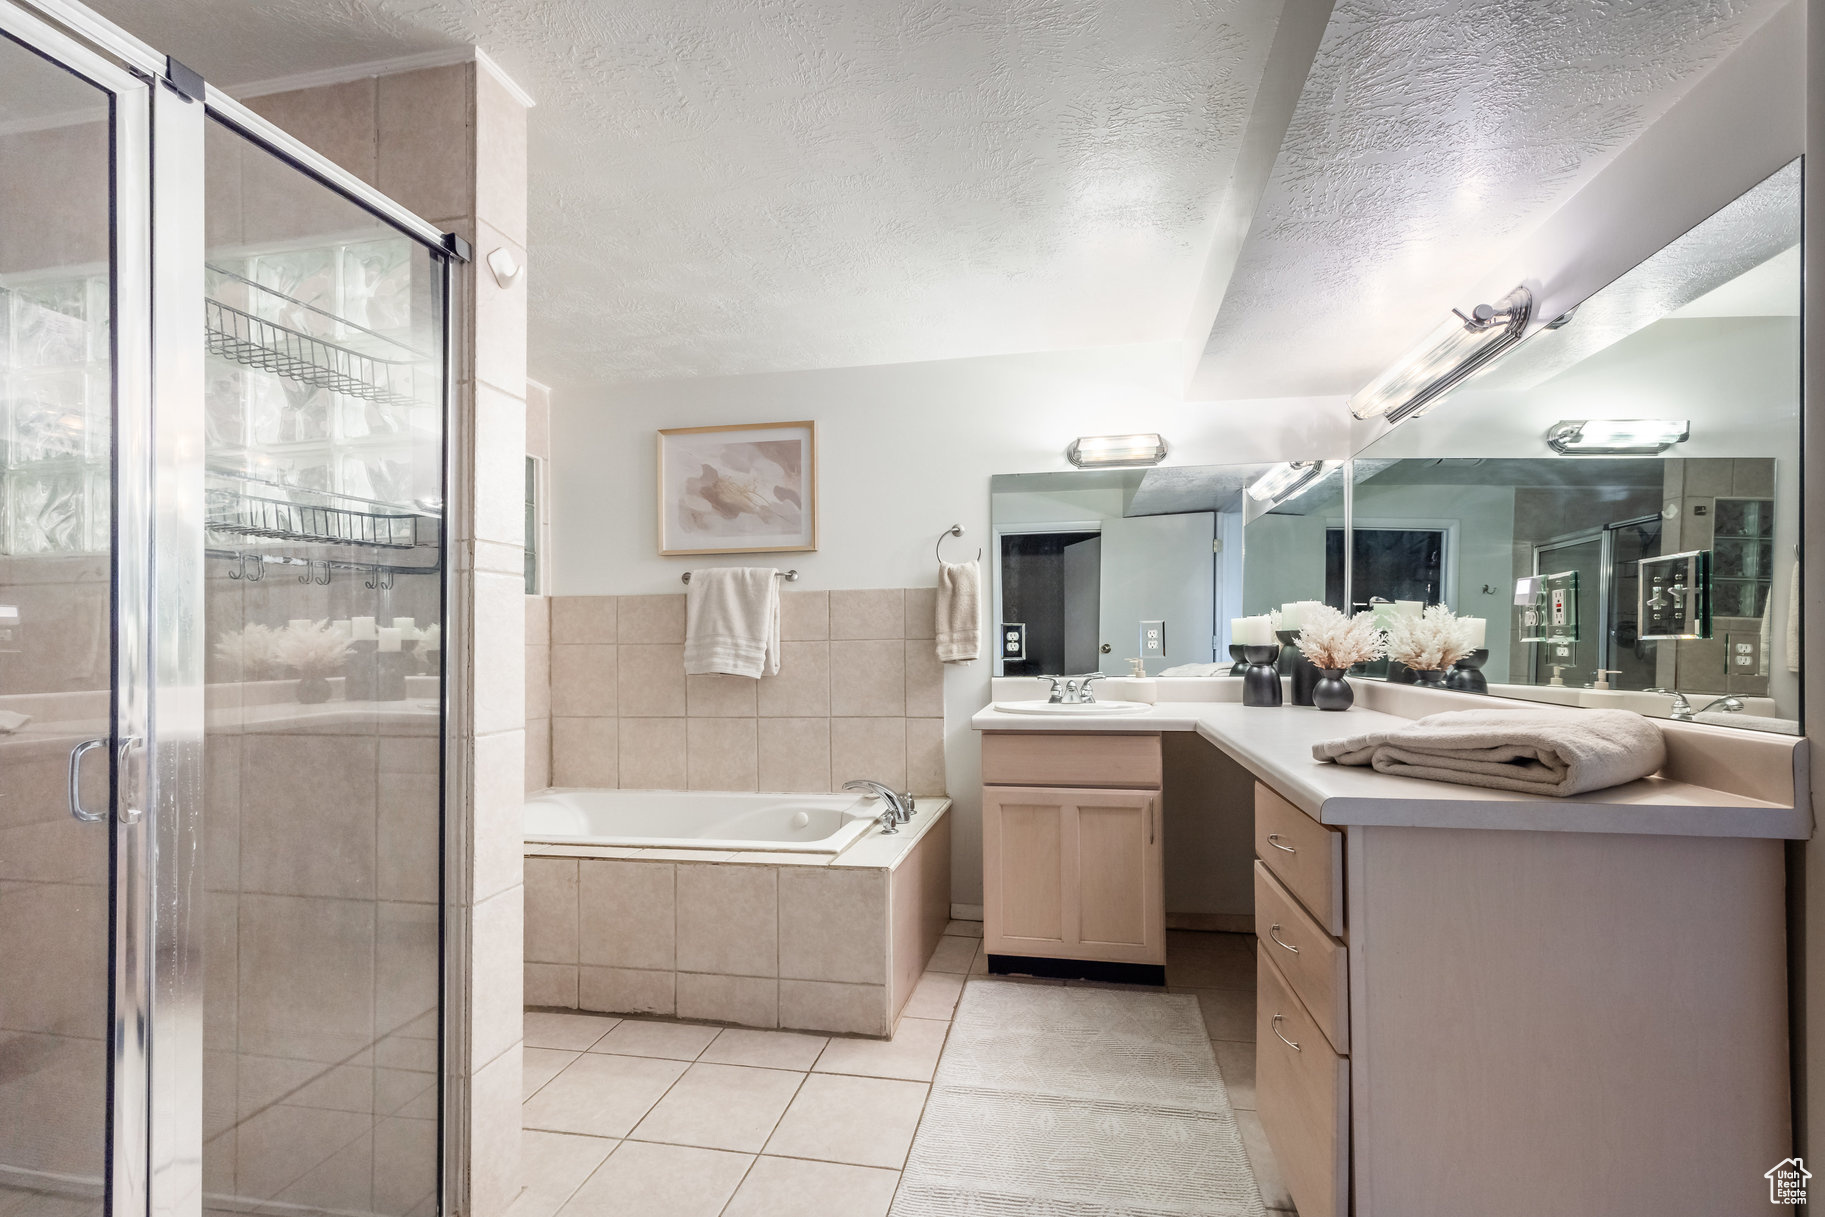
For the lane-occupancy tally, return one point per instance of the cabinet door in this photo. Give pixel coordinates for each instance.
(1121, 907)
(1073, 874)
(1025, 881)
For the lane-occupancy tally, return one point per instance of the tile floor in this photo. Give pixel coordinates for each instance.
(671, 1119)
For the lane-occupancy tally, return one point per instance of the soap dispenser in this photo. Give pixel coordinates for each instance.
(1557, 678)
(1602, 675)
(1139, 686)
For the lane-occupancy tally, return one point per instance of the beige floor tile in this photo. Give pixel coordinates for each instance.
(1236, 1062)
(1229, 1014)
(554, 1165)
(1197, 960)
(954, 954)
(645, 1180)
(639, 1037)
(721, 1107)
(964, 929)
(766, 1049)
(935, 996)
(791, 1187)
(601, 1095)
(911, 1055)
(979, 966)
(861, 1121)
(539, 1065)
(1261, 1160)
(570, 1032)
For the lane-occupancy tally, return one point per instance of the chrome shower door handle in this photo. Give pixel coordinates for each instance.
(76, 754)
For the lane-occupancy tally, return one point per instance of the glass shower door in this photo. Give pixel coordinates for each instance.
(58, 698)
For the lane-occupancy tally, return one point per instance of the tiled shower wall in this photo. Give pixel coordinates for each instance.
(860, 693)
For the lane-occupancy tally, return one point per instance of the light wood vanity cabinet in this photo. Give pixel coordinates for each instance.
(1073, 864)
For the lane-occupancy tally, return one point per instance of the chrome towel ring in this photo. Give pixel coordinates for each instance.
(955, 530)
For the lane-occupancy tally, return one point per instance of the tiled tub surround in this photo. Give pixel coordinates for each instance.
(754, 939)
(860, 693)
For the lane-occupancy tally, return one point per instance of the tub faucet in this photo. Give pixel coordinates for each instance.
(901, 805)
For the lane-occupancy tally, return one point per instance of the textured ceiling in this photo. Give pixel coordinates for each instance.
(791, 184)
(1427, 136)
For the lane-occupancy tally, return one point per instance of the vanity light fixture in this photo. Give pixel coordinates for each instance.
(1115, 451)
(1446, 357)
(1288, 480)
(1616, 436)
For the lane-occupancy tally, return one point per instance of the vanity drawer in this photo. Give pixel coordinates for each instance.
(1304, 855)
(1314, 963)
(1060, 758)
(1302, 1095)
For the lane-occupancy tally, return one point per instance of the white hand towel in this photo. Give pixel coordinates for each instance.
(731, 621)
(959, 612)
(1538, 752)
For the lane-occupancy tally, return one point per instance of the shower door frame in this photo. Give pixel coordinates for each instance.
(155, 1093)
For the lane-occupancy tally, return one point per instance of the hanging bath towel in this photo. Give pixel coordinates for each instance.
(959, 612)
(731, 621)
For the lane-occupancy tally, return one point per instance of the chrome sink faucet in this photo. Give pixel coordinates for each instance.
(900, 806)
(1684, 713)
(1072, 690)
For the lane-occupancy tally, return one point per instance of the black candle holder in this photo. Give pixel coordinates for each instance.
(1240, 665)
(1293, 663)
(1467, 673)
(358, 670)
(1261, 682)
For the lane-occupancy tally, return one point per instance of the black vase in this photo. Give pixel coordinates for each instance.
(1241, 664)
(1293, 663)
(1333, 692)
(1260, 683)
(1467, 673)
(1432, 678)
(1400, 674)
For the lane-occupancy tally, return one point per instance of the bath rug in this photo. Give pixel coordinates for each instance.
(1055, 1101)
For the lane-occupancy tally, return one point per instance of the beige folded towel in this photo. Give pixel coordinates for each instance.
(731, 621)
(959, 612)
(1533, 751)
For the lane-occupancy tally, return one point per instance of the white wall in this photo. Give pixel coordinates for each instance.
(904, 452)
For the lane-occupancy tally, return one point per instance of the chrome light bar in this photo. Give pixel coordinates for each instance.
(1445, 358)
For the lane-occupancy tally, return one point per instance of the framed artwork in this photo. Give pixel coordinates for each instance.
(749, 489)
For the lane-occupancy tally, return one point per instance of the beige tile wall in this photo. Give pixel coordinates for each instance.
(860, 693)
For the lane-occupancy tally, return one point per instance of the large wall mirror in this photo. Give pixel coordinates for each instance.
(1619, 496)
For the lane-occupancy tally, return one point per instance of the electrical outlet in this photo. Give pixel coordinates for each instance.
(1013, 640)
(1153, 640)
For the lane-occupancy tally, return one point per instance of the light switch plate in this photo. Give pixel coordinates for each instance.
(1153, 640)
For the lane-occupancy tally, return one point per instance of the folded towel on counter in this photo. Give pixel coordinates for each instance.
(731, 621)
(1533, 751)
(959, 612)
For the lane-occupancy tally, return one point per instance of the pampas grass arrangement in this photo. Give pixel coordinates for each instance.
(311, 650)
(1335, 643)
(251, 652)
(1431, 642)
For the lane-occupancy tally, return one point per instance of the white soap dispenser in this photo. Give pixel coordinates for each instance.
(1557, 678)
(1601, 674)
(1139, 686)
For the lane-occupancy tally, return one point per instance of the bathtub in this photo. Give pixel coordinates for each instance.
(677, 819)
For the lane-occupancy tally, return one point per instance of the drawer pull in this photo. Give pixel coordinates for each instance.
(1273, 932)
(1275, 1028)
(1273, 839)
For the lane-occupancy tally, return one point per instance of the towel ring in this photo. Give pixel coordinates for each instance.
(955, 530)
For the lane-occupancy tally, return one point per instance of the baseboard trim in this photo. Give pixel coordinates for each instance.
(1077, 969)
(966, 912)
(1218, 923)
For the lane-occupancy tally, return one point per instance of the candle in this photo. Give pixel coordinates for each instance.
(407, 626)
(1383, 614)
(1479, 628)
(1253, 631)
(1238, 626)
(301, 623)
(389, 638)
(342, 629)
(1410, 608)
(362, 628)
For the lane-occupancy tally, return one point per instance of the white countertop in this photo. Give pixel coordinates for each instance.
(1275, 744)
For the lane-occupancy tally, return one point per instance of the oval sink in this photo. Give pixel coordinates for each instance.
(1082, 708)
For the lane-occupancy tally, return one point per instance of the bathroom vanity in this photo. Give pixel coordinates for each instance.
(1467, 1000)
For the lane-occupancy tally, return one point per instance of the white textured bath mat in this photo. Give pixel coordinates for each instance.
(1069, 1102)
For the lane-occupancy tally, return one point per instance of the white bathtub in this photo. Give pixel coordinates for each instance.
(676, 819)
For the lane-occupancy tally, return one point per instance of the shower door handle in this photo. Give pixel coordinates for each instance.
(76, 754)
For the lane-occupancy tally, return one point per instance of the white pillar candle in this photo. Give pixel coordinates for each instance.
(1479, 628)
(407, 626)
(1238, 630)
(389, 638)
(1291, 614)
(1255, 632)
(1383, 614)
(301, 623)
(342, 629)
(362, 628)
(1410, 608)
